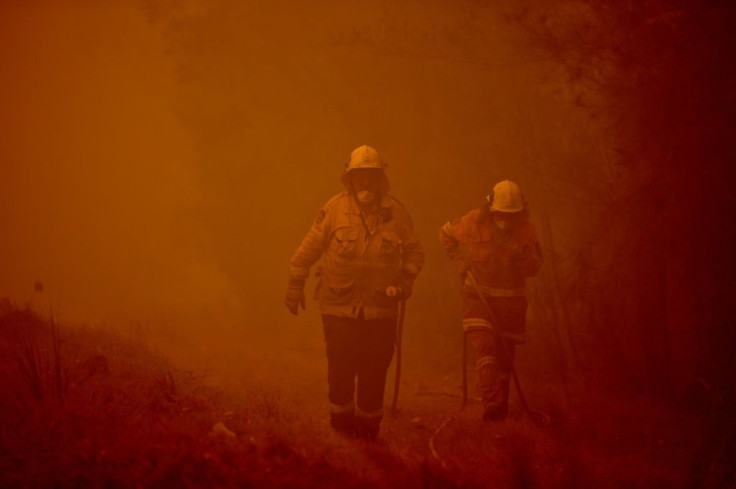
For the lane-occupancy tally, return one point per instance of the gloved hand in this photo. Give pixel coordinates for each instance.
(295, 296)
(402, 286)
(394, 292)
(525, 259)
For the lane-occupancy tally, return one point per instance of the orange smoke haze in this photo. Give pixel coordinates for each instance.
(162, 160)
(98, 174)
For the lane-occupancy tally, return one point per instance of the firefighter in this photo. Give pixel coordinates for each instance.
(499, 251)
(370, 258)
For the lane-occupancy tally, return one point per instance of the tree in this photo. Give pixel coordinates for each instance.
(655, 284)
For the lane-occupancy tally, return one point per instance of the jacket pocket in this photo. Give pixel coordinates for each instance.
(390, 243)
(336, 289)
(344, 243)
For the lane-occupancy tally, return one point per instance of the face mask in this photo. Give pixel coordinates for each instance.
(365, 197)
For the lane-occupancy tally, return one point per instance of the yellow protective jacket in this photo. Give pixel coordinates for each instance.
(359, 263)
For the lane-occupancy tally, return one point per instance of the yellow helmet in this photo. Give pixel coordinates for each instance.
(364, 157)
(506, 196)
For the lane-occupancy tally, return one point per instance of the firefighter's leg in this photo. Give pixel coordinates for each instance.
(378, 340)
(506, 355)
(490, 378)
(511, 314)
(340, 347)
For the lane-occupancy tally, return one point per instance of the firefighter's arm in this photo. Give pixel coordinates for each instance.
(532, 258)
(309, 251)
(451, 245)
(412, 260)
(529, 255)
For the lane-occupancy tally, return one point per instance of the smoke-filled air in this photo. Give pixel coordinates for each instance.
(396, 243)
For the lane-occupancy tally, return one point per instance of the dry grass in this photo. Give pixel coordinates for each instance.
(86, 408)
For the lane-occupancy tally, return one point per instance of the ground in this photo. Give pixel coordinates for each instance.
(82, 407)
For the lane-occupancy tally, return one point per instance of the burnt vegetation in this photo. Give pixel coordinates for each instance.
(645, 292)
(104, 410)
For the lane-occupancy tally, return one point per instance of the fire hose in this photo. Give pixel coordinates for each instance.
(539, 418)
(399, 332)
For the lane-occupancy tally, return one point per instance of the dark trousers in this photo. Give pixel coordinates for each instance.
(494, 364)
(358, 351)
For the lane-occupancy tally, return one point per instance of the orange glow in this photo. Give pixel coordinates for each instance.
(161, 160)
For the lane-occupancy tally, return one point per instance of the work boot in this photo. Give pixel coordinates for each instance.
(343, 423)
(367, 428)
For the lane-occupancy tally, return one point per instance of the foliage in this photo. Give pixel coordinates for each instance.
(649, 292)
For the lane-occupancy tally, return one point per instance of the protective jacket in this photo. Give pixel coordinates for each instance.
(500, 260)
(359, 262)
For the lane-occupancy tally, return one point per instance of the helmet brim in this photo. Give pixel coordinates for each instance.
(345, 179)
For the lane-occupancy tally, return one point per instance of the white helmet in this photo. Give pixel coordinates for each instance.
(506, 197)
(364, 157)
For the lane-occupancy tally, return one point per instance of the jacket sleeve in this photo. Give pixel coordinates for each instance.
(532, 255)
(451, 244)
(311, 248)
(412, 255)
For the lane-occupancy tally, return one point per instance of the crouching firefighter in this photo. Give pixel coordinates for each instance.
(370, 258)
(502, 250)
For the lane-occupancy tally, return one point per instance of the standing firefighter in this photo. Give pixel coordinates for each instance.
(371, 256)
(502, 250)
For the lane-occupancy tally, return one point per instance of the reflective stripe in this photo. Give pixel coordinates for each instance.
(470, 324)
(447, 229)
(298, 272)
(491, 292)
(360, 413)
(487, 360)
(342, 408)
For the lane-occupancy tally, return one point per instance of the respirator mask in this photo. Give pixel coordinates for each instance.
(365, 197)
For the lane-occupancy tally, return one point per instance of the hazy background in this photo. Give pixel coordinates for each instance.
(160, 161)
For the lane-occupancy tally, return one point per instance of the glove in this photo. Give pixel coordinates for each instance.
(394, 292)
(402, 288)
(295, 297)
(526, 260)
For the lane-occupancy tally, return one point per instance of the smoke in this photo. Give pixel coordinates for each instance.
(98, 173)
(163, 160)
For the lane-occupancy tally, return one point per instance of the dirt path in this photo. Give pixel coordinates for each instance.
(239, 413)
(631, 443)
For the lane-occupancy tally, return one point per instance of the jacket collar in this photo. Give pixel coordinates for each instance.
(385, 202)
